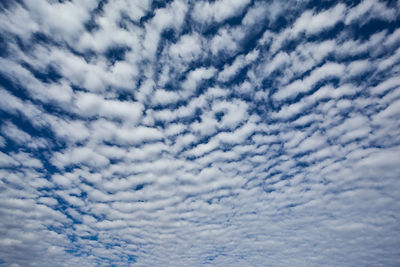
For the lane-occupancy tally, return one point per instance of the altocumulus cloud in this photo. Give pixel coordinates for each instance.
(189, 133)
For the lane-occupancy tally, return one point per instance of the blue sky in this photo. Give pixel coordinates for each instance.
(199, 133)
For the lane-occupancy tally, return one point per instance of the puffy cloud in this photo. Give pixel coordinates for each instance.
(218, 11)
(311, 23)
(299, 86)
(91, 105)
(240, 62)
(367, 10)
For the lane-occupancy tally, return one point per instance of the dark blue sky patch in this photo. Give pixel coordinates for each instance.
(115, 54)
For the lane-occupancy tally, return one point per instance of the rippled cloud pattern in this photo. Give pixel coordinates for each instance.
(199, 133)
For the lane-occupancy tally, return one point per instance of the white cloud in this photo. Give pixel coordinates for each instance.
(218, 11)
(358, 67)
(187, 49)
(61, 93)
(194, 78)
(7, 161)
(63, 20)
(17, 19)
(91, 105)
(234, 113)
(312, 23)
(225, 41)
(368, 9)
(163, 97)
(16, 134)
(79, 155)
(240, 62)
(327, 70)
(170, 17)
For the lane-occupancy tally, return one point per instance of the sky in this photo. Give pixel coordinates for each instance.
(199, 133)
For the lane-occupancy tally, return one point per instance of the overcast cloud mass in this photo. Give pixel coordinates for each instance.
(199, 133)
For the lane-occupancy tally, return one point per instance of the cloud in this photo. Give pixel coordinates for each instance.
(92, 105)
(218, 11)
(368, 10)
(240, 62)
(325, 71)
(144, 133)
(313, 23)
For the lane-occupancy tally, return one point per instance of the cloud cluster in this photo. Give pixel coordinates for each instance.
(223, 133)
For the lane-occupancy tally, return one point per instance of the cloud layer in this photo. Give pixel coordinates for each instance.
(187, 133)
